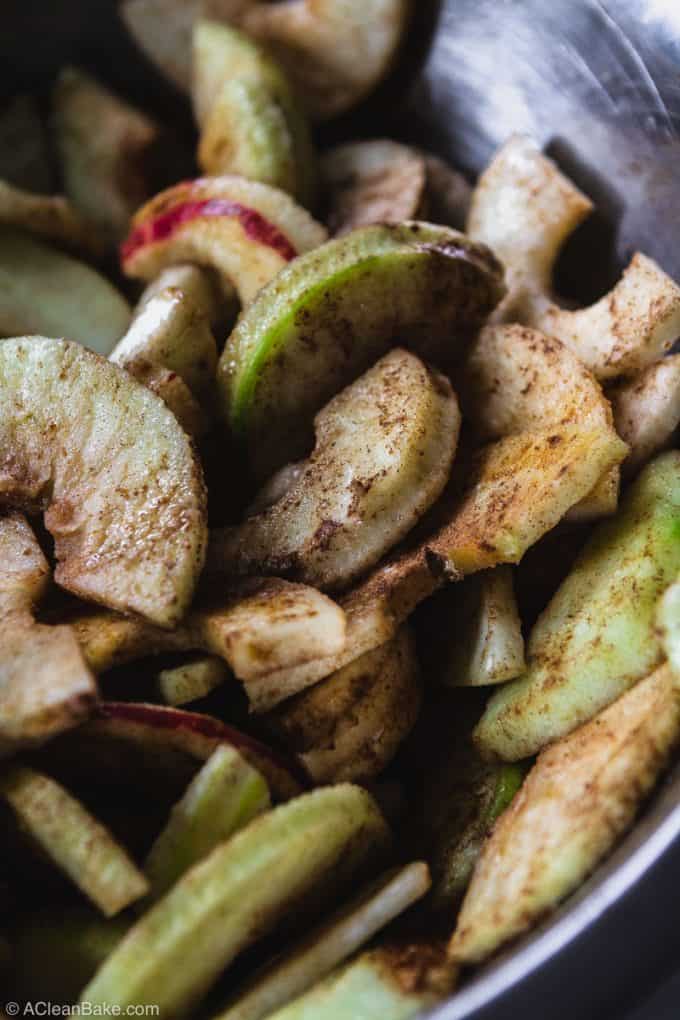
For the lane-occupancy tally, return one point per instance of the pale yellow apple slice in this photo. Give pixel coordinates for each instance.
(580, 796)
(516, 379)
(524, 209)
(647, 410)
(236, 895)
(77, 843)
(245, 230)
(191, 681)
(349, 726)
(118, 478)
(105, 149)
(383, 453)
(45, 684)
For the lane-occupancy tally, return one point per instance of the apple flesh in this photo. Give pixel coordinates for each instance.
(180, 685)
(245, 230)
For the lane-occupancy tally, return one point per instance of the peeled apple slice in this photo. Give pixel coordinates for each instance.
(330, 315)
(327, 946)
(383, 453)
(97, 450)
(46, 292)
(77, 843)
(236, 895)
(180, 685)
(647, 410)
(596, 638)
(224, 795)
(245, 230)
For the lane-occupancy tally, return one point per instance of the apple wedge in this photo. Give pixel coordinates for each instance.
(45, 684)
(647, 410)
(348, 727)
(236, 895)
(582, 793)
(524, 208)
(332, 313)
(383, 453)
(516, 379)
(51, 217)
(97, 450)
(193, 680)
(44, 291)
(245, 230)
(596, 638)
(223, 797)
(105, 149)
(374, 181)
(668, 625)
(77, 843)
(325, 947)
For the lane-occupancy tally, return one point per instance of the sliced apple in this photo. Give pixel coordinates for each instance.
(647, 410)
(174, 393)
(580, 796)
(516, 379)
(325, 947)
(44, 291)
(199, 287)
(77, 843)
(193, 680)
(24, 154)
(100, 452)
(374, 181)
(245, 230)
(255, 625)
(668, 625)
(49, 216)
(105, 148)
(45, 684)
(349, 726)
(236, 895)
(524, 208)
(383, 453)
(327, 317)
(223, 797)
(596, 638)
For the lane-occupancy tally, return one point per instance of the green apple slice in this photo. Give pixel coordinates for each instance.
(329, 315)
(668, 625)
(47, 292)
(236, 895)
(326, 947)
(596, 638)
(191, 681)
(224, 795)
(77, 843)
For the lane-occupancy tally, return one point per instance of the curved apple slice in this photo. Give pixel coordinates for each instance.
(647, 410)
(517, 379)
(524, 208)
(383, 453)
(245, 230)
(375, 181)
(120, 481)
(237, 894)
(327, 317)
(49, 216)
(349, 726)
(44, 291)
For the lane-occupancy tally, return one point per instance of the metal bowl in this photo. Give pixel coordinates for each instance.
(598, 83)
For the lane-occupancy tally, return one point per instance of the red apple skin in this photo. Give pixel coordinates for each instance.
(167, 222)
(198, 734)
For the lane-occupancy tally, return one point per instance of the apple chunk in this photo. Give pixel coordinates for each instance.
(647, 410)
(245, 230)
(384, 448)
(121, 485)
(328, 316)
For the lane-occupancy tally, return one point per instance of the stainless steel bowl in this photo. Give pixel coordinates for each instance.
(598, 83)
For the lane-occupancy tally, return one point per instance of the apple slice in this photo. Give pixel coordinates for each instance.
(49, 216)
(174, 393)
(668, 625)
(327, 946)
(180, 685)
(349, 726)
(245, 230)
(332, 313)
(237, 894)
(647, 410)
(77, 843)
(198, 286)
(105, 148)
(99, 451)
(44, 291)
(383, 453)
(45, 684)
(224, 795)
